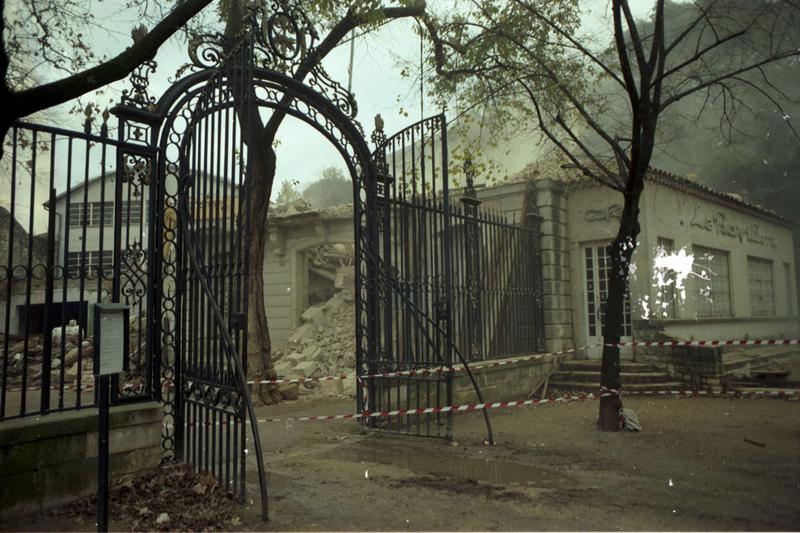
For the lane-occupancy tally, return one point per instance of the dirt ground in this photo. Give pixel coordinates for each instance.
(689, 469)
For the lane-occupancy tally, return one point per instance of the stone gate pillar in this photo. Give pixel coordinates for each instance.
(557, 306)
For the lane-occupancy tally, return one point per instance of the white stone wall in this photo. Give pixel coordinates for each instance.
(556, 274)
(689, 220)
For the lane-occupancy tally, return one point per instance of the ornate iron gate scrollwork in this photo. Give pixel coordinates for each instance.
(201, 231)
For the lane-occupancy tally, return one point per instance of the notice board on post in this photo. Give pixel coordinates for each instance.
(111, 334)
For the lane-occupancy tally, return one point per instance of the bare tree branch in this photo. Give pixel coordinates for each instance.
(349, 22)
(622, 53)
(577, 44)
(38, 98)
(703, 84)
(636, 39)
(690, 27)
(611, 183)
(700, 53)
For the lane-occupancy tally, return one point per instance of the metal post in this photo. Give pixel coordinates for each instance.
(533, 222)
(472, 254)
(47, 352)
(104, 390)
(447, 265)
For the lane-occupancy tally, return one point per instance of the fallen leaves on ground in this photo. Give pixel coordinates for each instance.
(168, 498)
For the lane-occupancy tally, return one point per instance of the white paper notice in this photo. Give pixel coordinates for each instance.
(112, 337)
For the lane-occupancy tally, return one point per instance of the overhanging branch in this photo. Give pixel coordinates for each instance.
(39, 98)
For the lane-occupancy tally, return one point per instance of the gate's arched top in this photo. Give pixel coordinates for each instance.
(277, 58)
(280, 38)
(277, 91)
(277, 44)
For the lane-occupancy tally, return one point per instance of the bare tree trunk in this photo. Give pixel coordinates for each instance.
(620, 254)
(259, 345)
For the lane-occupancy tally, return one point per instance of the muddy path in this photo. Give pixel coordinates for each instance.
(690, 469)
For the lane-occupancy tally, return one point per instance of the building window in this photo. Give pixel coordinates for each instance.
(132, 213)
(790, 294)
(102, 211)
(665, 280)
(762, 293)
(714, 285)
(597, 265)
(91, 261)
(96, 214)
(75, 215)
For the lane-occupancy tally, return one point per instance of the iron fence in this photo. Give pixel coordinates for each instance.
(454, 283)
(497, 288)
(73, 232)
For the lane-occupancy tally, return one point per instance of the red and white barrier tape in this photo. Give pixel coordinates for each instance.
(465, 408)
(785, 394)
(781, 394)
(741, 342)
(458, 368)
(55, 387)
(461, 368)
(73, 388)
(296, 380)
(418, 371)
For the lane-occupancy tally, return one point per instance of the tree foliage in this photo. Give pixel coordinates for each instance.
(287, 192)
(332, 188)
(42, 37)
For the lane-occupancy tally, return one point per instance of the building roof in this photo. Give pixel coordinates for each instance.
(687, 186)
(78, 186)
(668, 179)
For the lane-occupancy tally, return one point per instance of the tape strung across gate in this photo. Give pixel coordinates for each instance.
(780, 394)
(783, 394)
(459, 368)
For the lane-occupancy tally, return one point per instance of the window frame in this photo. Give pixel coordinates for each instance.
(668, 292)
(751, 262)
(710, 300)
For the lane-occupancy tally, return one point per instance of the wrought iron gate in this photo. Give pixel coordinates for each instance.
(411, 290)
(83, 193)
(448, 285)
(209, 127)
(185, 165)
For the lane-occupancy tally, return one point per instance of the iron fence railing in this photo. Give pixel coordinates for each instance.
(64, 245)
(496, 295)
(495, 292)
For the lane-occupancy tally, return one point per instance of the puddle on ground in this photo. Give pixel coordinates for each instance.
(489, 470)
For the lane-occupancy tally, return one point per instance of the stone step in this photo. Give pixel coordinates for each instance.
(594, 386)
(594, 365)
(627, 377)
(766, 355)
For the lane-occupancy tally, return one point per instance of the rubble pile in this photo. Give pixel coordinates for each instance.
(324, 345)
(30, 360)
(75, 345)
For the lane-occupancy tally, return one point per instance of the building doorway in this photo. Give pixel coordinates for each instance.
(595, 290)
